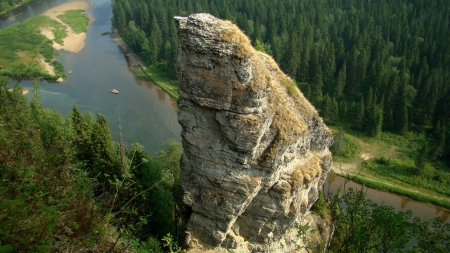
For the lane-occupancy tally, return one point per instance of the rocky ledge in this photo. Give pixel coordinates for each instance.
(255, 150)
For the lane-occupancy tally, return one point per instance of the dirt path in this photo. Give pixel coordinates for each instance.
(367, 152)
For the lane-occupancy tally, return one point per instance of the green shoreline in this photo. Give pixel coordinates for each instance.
(165, 83)
(400, 191)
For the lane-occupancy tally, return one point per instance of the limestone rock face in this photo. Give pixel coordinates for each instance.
(255, 150)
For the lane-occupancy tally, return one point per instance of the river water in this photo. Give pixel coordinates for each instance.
(147, 114)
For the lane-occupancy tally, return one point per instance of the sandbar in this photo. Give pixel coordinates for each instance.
(74, 42)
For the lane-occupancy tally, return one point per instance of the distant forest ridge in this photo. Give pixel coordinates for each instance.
(375, 65)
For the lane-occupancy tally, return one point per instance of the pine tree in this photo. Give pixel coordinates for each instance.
(402, 119)
(326, 107)
(81, 132)
(343, 110)
(104, 161)
(359, 116)
(334, 113)
(317, 85)
(375, 121)
(338, 147)
(340, 81)
(421, 159)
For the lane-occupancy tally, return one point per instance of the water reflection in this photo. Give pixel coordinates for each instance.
(405, 201)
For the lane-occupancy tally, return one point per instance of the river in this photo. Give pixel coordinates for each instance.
(147, 114)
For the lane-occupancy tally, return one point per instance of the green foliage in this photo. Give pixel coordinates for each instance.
(321, 207)
(171, 244)
(104, 162)
(405, 170)
(344, 148)
(22, 46)
(51, 169)
(46, 200)
(421, 159)
(363, 226)
(76, 19)
(399, 72)
(158, 75)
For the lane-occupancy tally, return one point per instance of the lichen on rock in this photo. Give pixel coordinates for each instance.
(255, 150)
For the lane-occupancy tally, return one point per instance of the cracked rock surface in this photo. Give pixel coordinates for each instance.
(255, 150)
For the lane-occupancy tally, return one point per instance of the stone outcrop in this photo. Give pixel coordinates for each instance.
(255, 150)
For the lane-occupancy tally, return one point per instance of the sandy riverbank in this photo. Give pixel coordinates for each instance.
(74, 42)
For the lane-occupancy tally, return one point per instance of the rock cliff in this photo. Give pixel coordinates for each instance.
(255, 150)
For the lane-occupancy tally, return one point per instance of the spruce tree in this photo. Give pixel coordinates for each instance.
(402, 119)
(375, 121)
(81, 133)
(104, 161)
(421, 159)
(359, 116)
(340, 81)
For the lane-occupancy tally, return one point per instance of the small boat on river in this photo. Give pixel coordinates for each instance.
(114, 91)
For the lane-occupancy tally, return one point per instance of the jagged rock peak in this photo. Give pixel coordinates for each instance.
(255, 150)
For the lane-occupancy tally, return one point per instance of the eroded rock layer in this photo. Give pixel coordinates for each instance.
(255, 150)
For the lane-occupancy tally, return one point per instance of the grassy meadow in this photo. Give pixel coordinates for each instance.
(76, 19)
(23, 47)
(160, 78)
(389, 163)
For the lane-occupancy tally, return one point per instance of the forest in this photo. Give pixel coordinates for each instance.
(377, 66)
(66, 186)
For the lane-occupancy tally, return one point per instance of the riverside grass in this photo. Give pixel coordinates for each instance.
(154, 73)
(401, 191)
(22, 45)
(76, 19)
(391, 167)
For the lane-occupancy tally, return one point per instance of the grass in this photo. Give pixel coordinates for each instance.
(401, 191)
(404, 170)
(350, 150)
(160, 78)
(76, 19)
(22, 45)
(391, 166)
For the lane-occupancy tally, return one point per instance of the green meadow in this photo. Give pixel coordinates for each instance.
(22, 46)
